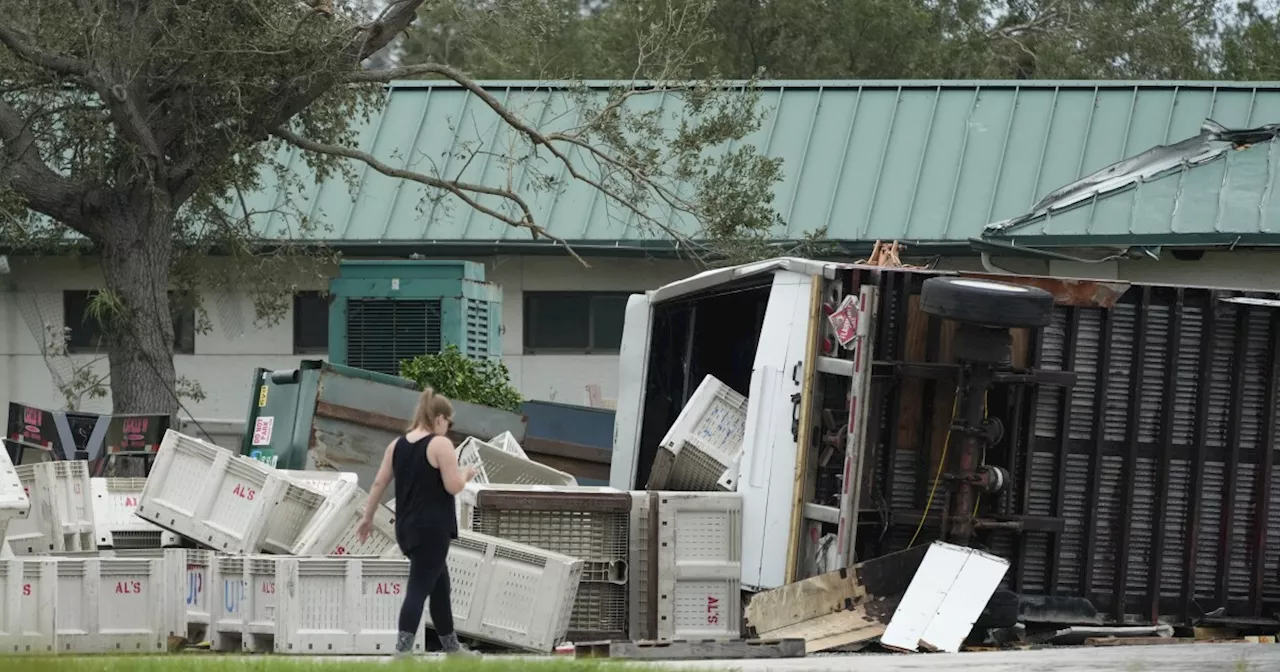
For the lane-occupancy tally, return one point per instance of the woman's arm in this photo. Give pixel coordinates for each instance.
(380, 483)
(446, 460)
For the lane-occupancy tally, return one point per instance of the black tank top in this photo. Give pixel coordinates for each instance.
(425, 512)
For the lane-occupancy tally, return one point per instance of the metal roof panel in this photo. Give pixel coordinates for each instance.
(913, 161)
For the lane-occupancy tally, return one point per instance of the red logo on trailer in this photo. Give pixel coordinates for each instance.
(128, 588)
(387, 589)
(243, 492)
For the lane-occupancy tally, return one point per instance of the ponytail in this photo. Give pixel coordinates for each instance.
(430, 406)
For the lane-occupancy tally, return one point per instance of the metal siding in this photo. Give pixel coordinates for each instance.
(926, 161)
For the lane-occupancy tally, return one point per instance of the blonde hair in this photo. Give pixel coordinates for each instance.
(430, 407)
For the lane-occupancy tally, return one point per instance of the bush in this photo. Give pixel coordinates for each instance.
(478, 381)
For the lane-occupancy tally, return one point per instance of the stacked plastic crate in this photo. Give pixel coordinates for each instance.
(334, 605)
(701, 450)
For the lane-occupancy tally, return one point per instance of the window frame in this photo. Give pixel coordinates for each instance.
(529, 299)
(183, 321)
(311, 349)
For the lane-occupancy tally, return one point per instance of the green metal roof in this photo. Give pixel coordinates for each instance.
(930, 162)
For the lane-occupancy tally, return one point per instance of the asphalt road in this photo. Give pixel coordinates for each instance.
(1164, 658)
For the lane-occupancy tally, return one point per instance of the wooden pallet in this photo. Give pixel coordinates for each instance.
(683, 649)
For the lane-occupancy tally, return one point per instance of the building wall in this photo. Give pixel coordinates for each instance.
(31, 297)
(31, 302)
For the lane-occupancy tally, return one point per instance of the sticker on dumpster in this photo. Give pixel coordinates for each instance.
(267, 457)
(262, 396)
(845, 320)
(262, 430)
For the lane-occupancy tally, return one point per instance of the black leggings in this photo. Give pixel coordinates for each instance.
(428, 577)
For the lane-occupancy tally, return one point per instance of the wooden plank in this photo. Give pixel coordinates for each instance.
(805, 434)
(693, 650)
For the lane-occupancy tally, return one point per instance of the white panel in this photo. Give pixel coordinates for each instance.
(767, 468)
(28, 596)
(495, 465)
(945, 597)
(633, 371)
(112, 605)
(115, 502)
(61, 514)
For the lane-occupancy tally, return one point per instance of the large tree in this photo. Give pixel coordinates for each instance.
(132, 128)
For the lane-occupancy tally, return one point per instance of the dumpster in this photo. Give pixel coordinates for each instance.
(323, 416)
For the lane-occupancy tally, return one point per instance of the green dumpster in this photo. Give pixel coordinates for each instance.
(332, 417)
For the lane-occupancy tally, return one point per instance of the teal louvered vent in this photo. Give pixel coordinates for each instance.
(381, 332)
(384, 312)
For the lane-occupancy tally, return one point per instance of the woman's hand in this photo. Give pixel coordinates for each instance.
(366, 527)
(468, 474)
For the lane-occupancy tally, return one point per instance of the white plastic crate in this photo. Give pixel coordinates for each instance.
(335, 534)
(113, 605)
(300, 504)
(189, 575)
(209, 494)
(704, 442)
(606, 528)
(699, 565)
(340, 606)
(28, 597)
(226, 602)
(511, 594)
(494, 465)
(243, 604)
(60, 517)
(115, 502)
(14, 502)
(327, 482)
(507, 443)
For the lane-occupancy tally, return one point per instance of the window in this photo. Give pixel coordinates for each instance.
(310, 323)
(587, 322)
(86, 333)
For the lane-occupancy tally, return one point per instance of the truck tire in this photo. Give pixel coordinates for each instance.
(986, 303)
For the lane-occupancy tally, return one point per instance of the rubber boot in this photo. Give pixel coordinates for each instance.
(453, 648)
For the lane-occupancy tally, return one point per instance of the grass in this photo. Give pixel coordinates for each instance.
(270, 664)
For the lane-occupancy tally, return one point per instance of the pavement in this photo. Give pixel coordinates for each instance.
(1158, 658)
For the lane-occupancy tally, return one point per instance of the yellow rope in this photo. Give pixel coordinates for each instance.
(942, 461)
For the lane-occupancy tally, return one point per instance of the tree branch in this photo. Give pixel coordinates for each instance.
(58, 63)
(463, 190)
(43, 188)
(538, 138)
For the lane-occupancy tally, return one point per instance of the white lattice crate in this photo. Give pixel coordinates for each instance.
(227, 596)
(300, 505)
(14, 502)
(494, 465)
(336, 533)
(341, 606)
(209, 494)
(28, 598)
(116, 525)
(60, 517)
(113, 605)
(699, 565)
(511, 594)
(506, 442)
(606, 528)
(243, 604)
(327, 482)
(704, 441)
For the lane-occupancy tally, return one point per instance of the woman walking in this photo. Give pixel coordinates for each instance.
(425, 468)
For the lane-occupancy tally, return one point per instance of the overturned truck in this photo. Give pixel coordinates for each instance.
(1114, 441)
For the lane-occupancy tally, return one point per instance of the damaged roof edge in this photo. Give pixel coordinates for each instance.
(1212, 143)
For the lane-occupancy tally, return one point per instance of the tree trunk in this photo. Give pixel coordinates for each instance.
(137, 252)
